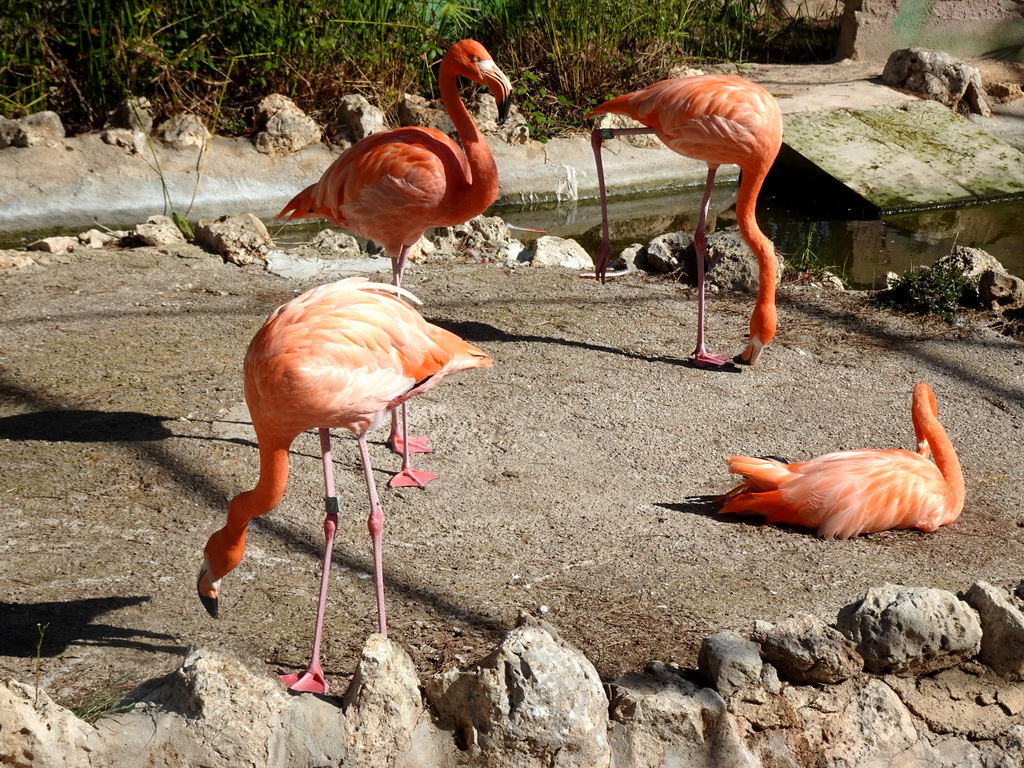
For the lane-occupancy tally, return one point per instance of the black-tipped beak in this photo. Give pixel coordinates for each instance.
(500, 87)
(210, 604)
(207, 592)
(504, 107)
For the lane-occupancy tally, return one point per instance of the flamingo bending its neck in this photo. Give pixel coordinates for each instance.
(720, 119)
(339, 356)
(847, 493)
(391, 187)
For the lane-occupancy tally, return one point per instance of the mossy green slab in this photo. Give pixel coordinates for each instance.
(912, 157)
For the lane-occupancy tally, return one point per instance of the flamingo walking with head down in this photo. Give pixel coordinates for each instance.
(339, 356)
(847, 493)
(720, 119)
(393, 186)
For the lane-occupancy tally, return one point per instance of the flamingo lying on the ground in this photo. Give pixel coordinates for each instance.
(847, 493)
(338, 356)
(393, 186)
(720, 119)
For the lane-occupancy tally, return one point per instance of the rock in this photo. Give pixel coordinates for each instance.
(34, 731)
(910, 630)
(805, 650)
(93, 238)
(659, 718)
(481, 239)
(1002, 623)
(484, 111)
(341, 243)
(730, 265)
(159, 230)
(970, 262)
(535, 701)
(283, 127)
(134, 113)
(15, 260)
(730, 663)
(550, 251)
(1001, 292)
(884, 281)
(183, 131)
(937, 76)
(133, 141)
(628, 259)
(356, 118)
(669, 252)
(54, 244)
(1005, 92)
(32, 130)
(416, 110)
(240, 239)
(383, 705)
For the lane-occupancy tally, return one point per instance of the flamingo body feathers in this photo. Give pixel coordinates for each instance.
(846, 493)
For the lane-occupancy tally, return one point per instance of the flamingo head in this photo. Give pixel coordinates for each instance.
(220, 556)
(471, 60)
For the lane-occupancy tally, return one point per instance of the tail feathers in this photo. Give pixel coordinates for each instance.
(758, 494)
(760, 474)
(305, 206)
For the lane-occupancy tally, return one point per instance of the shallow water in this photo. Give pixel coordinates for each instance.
(858, 249)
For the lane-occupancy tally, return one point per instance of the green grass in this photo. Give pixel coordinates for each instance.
(941, 290)
(81, 57)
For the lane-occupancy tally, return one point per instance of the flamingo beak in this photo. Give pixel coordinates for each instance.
(208, 589)
(499, 86)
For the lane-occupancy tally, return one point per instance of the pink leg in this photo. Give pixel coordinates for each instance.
(408, 476)
(597, 137)
(701, 357)
(312, 680)
(375, 524)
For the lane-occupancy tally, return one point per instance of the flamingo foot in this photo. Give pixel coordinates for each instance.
(411, 478)
(416, 445)
(310, 681)
(703, 359)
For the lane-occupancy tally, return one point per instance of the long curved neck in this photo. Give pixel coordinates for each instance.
(764, 251)
(246, 505)
(480, 189)
(926, 424)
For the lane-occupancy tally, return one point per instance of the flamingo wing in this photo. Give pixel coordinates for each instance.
(388, 187)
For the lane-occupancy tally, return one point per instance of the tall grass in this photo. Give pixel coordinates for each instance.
(81, 57)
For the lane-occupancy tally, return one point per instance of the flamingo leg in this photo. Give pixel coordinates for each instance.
(701, 357)
(408, 476)
(597, 138)
(398, 439)
(375, 524)
(312, 680)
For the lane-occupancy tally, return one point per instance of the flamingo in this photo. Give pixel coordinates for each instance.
(393, 186)
(847, 493)
(720, 119)
(338, 356)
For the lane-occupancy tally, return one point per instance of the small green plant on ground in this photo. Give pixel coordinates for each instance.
(39, 661)
(940, 290)
(107, 700)
(808, 263)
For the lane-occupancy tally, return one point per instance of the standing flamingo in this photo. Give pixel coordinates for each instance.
(720, 119)
(393, 186)
(338, 356)
(847, 493)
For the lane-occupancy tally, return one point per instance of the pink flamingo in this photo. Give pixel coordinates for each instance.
(338, 356)
(847, 493)
(393, 186)
(720, 119)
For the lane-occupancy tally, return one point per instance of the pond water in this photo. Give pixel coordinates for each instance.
(857, 248)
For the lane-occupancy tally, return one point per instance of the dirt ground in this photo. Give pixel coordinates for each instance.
(576, 475)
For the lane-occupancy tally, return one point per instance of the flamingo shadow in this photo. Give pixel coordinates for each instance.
(48, 629)
(84, 426)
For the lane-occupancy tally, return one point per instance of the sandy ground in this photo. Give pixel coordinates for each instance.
(576, 475)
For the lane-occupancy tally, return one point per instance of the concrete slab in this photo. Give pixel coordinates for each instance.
(914, 156)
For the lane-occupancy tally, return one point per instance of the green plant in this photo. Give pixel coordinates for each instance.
(39, 661)
(941, 290)
(808, 262)
(108, 700)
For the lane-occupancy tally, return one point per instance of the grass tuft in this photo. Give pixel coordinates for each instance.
(941, 290)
